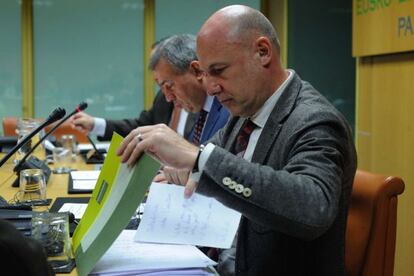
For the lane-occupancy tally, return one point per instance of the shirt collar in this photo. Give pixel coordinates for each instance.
(208, 103)
(263, 113)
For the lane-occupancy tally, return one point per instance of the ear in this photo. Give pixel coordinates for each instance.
(264, 50)
(195, 69)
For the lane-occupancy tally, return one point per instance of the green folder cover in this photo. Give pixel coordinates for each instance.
(117, 195)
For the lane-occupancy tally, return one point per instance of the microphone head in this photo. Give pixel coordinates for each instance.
(56, 114)
(82, 106)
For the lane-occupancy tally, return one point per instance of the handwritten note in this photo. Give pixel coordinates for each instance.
(199, 220)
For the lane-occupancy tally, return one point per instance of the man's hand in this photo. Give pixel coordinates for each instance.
(82, 122)
(176, 176)
(162, 143)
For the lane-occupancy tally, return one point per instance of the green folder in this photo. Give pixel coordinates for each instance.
(117, 194)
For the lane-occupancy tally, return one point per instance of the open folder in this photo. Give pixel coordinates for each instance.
(118, 192)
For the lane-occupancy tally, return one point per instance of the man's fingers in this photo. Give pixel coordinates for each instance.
(190, 188)
(160, 178)
(126, 142)
(137, 151)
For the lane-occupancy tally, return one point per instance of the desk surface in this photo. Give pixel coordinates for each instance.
(56, 187)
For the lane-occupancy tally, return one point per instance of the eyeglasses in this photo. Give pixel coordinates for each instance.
(167, 84)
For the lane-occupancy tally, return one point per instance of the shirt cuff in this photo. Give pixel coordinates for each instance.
(205, 154)
(99, 126)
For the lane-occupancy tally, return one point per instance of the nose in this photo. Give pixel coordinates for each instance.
(212, 87)
(169, 96)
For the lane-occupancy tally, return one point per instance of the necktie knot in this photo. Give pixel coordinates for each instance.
(198, 127)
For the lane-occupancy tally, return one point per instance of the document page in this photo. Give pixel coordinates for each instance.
(144, 257)
(78, 209)
(199, 220)
(85, 175)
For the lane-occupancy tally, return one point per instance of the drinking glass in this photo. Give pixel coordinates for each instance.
(69, 142)
(52, 231)
(32, 186)
(62, 158)
(24, 127)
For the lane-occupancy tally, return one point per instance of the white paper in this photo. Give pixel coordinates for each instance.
(85, 175)
(86, 147)
(84, 184)
(127, 255)
(199, 220)
(77, 209)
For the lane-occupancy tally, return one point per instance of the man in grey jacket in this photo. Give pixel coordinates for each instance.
(286, 160)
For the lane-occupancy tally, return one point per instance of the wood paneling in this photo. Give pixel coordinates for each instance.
(385, 136)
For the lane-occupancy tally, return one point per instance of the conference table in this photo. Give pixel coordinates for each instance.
(57, 185)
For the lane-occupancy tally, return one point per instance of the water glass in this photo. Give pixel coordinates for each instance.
(32, 186)
(62, 158)
(69, 142)
(52, 231)
(24, 127)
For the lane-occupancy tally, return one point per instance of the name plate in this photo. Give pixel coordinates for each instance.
(382, 27)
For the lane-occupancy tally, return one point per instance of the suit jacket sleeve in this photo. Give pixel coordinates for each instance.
(159, 113)
(297, 181)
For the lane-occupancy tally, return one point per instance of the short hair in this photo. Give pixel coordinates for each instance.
(254, 21)
(156, 43)
(178, 50)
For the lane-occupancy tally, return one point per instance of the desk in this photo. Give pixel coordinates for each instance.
(56, 187)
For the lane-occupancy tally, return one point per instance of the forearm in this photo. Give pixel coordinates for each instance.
(275, 195)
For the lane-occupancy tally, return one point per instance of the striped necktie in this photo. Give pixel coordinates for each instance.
(198, 127)
(242, 139)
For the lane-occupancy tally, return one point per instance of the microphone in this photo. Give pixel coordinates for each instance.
(56, 114)
(33, 162)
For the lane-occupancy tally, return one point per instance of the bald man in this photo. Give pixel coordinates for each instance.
(286, 160)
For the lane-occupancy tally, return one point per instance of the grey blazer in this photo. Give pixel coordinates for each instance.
(294, 195)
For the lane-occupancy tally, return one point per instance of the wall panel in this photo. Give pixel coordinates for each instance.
(385, 136)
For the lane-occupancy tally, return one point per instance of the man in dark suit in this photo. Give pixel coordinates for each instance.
(160, 113)
(176, 70)
(286, 160)
(174, 64)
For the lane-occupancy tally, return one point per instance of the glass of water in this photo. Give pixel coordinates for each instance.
(24, 127)
(52, 231)
(62, 158)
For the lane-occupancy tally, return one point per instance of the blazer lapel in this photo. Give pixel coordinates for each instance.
(189, 125)
(234, 133)
(212, 118)
(273, 125)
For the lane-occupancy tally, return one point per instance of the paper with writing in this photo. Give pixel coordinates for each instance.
(199, 220)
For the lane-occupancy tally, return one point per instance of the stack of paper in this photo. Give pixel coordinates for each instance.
(126, 257)
(165, 239)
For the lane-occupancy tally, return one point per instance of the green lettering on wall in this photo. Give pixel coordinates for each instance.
(370, 6)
